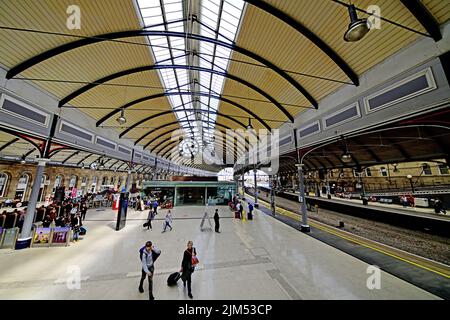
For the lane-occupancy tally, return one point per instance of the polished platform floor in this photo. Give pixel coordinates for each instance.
(259, 259)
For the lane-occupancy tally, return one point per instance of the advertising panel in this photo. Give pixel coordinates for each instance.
(60, 236)
(41, 236)
(122, 212)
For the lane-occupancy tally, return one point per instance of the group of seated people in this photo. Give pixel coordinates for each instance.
(54, 215)
(12, 219)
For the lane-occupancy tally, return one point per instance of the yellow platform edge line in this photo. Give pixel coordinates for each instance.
(326, 229)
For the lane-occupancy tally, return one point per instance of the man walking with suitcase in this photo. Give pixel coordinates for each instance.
(148, 254)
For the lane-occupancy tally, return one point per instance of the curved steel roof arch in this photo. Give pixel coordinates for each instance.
(172, 111)
(176, 122)
(170, 130)
(154, 130)
(182, 161)
(95, 83)
(209, 122)
(134, 33)
(282, 16)
(163, 94)
(170, 145)
(239, 147)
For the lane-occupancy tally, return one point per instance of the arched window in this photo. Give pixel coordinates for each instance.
(72, 182)
(3, 183)
(22, 186)
(104, 181)
(94, 184)
(368, 172)
(43, 187)
(119, 182)
(426, 169)
(113, 180)
(58, 182)
(383, 172)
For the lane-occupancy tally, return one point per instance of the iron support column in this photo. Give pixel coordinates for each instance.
(256, 189)
(31, 207)
(304, 226)
(272, 194)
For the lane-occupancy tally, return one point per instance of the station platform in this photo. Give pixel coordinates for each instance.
(259, 259)
(392, 208)
(428, 274)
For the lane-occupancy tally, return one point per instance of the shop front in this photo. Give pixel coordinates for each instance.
(195, 193)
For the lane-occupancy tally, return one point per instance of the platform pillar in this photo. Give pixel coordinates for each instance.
(256, 189)
(31, 207)
(304, 226)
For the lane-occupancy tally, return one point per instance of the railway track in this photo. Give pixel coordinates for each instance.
(421, 243)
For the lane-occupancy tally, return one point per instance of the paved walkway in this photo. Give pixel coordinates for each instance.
(259, 259)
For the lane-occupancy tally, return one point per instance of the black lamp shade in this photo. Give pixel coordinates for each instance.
(357, 28)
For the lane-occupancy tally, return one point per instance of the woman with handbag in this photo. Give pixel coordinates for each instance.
(188, 264)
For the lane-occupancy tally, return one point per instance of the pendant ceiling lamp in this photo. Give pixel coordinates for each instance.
(122, 120)
(357, 28)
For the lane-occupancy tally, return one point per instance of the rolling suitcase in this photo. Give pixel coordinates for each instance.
(82, 231)
(237, 215)
(173, 278)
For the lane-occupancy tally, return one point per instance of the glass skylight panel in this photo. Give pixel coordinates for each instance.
(148, 3)
(171, 50)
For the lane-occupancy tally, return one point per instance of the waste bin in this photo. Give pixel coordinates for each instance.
(365, 202)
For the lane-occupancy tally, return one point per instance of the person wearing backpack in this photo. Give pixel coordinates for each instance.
(150, 217)
(148, 255)
(188, 266)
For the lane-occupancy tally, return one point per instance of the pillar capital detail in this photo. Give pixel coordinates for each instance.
(42, 161)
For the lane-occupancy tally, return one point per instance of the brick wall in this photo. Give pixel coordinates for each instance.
(15, 171)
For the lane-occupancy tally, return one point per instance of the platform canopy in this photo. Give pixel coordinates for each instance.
(199, 65)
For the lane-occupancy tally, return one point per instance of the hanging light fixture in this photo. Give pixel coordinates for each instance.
(22, 160)
(346, 157)
(122, 120)
(102, 165)
(249, 126)
(357, 28)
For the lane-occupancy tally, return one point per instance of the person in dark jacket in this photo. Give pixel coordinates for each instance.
(68, 207)
(216, 221)
(439, 206)
(46, 222)
(149, 255)
(186, 266)
(76, 224)
(83, 210)
(250, 211)
(150, 217)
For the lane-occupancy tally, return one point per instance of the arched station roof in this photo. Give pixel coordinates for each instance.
(218, 61)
